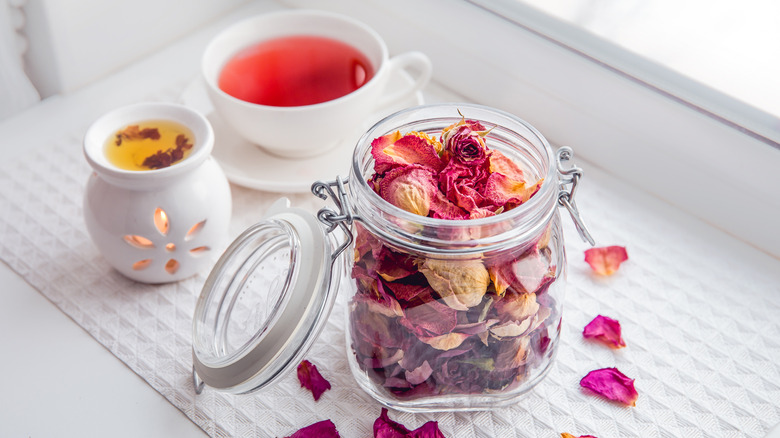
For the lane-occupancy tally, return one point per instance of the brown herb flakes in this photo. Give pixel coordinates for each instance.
(134, 132)
(162, 159)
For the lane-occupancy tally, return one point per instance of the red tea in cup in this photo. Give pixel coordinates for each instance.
(295, 71)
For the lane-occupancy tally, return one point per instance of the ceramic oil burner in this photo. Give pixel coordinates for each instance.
(160, 224)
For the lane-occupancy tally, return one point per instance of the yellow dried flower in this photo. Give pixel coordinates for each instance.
(461, 283)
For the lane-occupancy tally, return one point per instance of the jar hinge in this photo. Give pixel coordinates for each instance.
(341, 218)
(571, 176)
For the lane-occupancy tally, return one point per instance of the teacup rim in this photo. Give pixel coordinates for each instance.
(212, 85)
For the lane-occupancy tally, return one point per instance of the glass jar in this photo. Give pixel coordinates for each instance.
(442, 314)
(456, 314)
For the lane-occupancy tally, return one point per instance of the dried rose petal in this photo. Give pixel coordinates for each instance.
(461, 283)
(409, 291)
(445, 342)
(606, 260)
(512, 353)
(501, 190)
(323, 429)
(389, 307)
(606, 330)
(499, 163)
(393, 150)
(502, 277)
(384, 427)
(516, 307)
(462, 184)
(311, 379)
(365, 242)
(375, 329)
(443, 208)
(568, 435)
(409, 188)
(427, 317)
(393, 265)
(511, 329)
(612, 384)
(533, 272)
(419, 374)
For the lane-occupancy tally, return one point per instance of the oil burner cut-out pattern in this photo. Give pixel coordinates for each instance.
(163, 225)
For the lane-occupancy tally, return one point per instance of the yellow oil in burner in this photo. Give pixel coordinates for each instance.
(149, 145)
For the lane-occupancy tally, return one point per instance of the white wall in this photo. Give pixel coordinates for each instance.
(75, 42)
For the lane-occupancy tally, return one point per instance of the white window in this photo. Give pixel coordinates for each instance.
(707, 153)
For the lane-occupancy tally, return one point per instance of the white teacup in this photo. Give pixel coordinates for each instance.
(304, 131)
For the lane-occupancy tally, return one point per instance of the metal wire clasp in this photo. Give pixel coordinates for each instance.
(571, 176)
(341, 218)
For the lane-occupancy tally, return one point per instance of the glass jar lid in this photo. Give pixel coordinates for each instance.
(265, 302)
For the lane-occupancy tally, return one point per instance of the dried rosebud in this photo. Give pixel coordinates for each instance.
(606, 330)
(409, 188)
(384, 427)
(311, 379)
(460, 283)
(612, 384)
(465, 145)
(323, 429)
(606, 260)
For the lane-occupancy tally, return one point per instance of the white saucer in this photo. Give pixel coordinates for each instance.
(247, 165)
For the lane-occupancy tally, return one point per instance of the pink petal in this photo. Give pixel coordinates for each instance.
(323, 429)
(606, 330)
(311, 379)
(384, 427)
(502, 277)
(568, 435)
(606, 260)
(533, 271)
(382, 161)
(419, 374)
(429, 317)
(462, 184)
(442, 208)
(504, 191)
(445, 342)
(365, 242)
(499, 163)
(407, 292)
(393, 265)
(612, 384)
(409, 188)
(395, 150)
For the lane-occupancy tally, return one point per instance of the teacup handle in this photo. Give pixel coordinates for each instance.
(423, 69)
